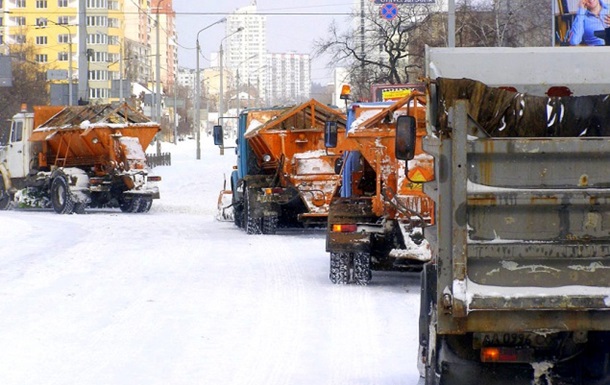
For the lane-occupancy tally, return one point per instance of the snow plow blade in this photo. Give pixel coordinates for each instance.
(225, 206)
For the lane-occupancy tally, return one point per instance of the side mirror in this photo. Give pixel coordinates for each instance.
(218, 136)
(405, 137)
(339, 165)
(330, 134)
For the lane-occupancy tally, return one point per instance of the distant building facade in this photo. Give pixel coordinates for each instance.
(289, 78)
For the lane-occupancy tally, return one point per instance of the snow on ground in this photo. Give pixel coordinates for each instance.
(175, 297)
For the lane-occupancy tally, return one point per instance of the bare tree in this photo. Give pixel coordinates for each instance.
(504, 23)
(29, 83)
(376, 49)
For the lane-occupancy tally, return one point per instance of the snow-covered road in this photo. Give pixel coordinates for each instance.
(175, 297)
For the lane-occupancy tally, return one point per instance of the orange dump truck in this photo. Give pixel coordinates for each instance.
(70, 158)
(377, 223)
(285, 176)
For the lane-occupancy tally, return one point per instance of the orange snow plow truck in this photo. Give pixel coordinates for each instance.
(285, 177)
(71, 158)
(378, 222)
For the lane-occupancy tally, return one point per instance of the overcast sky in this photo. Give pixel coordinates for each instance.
(284, 32)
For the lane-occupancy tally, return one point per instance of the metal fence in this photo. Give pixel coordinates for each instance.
(163, 159)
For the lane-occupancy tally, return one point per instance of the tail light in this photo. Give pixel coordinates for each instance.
(339, 228)
(273, 190)
(504, 354)
(153, 178)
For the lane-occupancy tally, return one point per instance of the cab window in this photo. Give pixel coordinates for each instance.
(17, 132)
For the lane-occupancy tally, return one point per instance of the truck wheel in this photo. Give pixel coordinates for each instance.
(270, 224)
(339, 268)
(61, 198)
(79, 208)
(145, 204)
(5, 198)
(362, 268)
(252, 224)
(129, 205)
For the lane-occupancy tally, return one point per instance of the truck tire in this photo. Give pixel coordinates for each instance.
(362, 268)
(252, 224)
(129, 204)
(5, 198)
(270, 224)
(238, 211)
(61, 198)
(339, 268)
(145, 204)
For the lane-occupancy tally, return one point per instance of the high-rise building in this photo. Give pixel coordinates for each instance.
(137, 51)
(277, 77)
(245, 52)
(162, 10)
(289, 78)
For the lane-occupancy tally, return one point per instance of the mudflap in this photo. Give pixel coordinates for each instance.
(225, 211)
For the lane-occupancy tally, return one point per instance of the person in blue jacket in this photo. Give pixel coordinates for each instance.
(592, 15)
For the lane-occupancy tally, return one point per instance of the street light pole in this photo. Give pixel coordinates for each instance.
(198, 89)
(220, 90)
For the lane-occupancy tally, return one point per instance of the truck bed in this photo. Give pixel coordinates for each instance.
(531, 227)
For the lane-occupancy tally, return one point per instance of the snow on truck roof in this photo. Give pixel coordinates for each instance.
(88, 116)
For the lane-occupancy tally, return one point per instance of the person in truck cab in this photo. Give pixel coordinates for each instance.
(592, 15)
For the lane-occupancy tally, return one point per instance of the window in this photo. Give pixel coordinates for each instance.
(41, 21)
(63, 20)
(42, 58)
(17, 132)
(97, 21)
(98, 75)
(20, 4)
(98, 93)
(63, 38)
(18, 39)
(97, 4)
(98, 56)
(41, 40)
(98, 38)
(62, 3)
(62, 56)
(41, 3)
(113, 57)
(113, 23)
(20, 20)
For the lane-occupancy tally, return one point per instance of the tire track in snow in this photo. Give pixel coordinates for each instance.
(270, 356)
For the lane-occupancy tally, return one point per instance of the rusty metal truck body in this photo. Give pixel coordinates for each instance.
(517, 291)
(70, 158)
(376, 224)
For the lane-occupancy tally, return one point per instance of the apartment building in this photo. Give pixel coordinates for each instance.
(276, 77)
(117, 34)
(289, 78)
(164, 15)
(245, 51)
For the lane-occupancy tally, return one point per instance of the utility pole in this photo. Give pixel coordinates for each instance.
(157, 93)
(83, 54)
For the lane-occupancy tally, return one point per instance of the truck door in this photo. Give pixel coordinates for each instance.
(17, 161)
